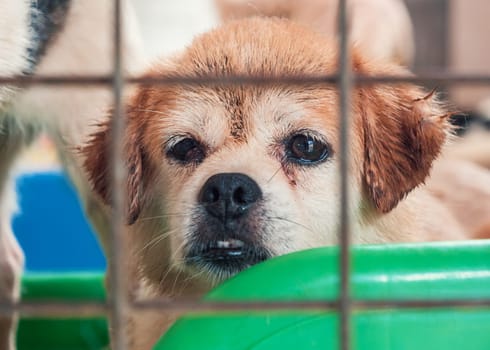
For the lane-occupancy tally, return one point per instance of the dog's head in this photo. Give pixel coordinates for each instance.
(224, 176)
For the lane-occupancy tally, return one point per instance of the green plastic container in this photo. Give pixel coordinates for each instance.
(63, 334)
(434, 271)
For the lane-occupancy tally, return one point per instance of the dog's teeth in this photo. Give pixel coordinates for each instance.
(236, 243)
(223, 244)
(232, 243)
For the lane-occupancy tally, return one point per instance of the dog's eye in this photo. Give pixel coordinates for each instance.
(305, 149)
(187, 150)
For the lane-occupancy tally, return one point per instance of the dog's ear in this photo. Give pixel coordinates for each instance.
(97, 164)
(403, 132)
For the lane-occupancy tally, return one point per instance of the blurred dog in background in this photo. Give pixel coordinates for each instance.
(382, 29)
(50, 37)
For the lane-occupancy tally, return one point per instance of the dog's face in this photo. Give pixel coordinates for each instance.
(249, 174)
(222, 177)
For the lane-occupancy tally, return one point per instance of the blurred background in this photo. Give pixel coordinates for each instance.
(452, 35)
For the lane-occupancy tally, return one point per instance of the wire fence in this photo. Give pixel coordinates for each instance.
(119, 303)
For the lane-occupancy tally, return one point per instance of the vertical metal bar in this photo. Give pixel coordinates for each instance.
(345, 91)
(118, 283)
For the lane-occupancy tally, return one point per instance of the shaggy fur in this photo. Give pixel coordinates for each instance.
(397, 133)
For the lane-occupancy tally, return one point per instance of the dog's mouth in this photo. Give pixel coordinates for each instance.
(224, 258)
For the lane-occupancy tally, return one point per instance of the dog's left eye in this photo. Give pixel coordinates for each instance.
(305, 149)
(187, 150)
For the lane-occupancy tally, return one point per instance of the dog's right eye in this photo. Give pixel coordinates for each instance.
(187, 150)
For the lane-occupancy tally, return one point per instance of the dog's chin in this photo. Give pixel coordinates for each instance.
(222, 259)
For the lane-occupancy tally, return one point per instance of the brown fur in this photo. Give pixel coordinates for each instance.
(483, 232)
(402, 137)
(397, 133)
(137, 165)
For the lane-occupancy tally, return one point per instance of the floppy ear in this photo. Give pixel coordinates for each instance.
(97, 165)
(403, 132)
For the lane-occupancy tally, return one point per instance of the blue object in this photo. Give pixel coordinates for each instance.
(51, 227)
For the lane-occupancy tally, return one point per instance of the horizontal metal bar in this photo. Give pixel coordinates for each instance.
(56, 309)
(190, 306)
(429, 78)
(89, 309)
(420, 304)
(206, 306)
(166, 80)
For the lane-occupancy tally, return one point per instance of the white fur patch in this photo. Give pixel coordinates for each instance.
(14, 40)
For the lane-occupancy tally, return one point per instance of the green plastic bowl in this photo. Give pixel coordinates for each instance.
(62, 334)
(434, 271)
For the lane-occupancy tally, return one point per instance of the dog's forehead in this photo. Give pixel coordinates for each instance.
(281, 49)
(237, 104)
(259, 47)
(242, 113)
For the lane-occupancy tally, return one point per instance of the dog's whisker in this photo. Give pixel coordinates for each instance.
(275, 173)
(154, 241)
(172, 261)
(175, 281)
(291, 222)
(163, 216)
(190, 278)
(169, 269)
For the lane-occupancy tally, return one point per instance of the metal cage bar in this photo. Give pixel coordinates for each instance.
(446, 78)
(88, 309)
(118, 283)
(344, 302)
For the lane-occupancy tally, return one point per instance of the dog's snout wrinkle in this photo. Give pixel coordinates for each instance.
(229, 196)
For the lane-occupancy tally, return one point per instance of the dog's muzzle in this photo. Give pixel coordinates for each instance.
(226, 239)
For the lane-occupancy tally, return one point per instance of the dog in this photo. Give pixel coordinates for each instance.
(46, 37)
(223, 177)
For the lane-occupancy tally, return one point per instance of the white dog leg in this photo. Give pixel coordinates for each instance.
(11, 266)
(12, 139)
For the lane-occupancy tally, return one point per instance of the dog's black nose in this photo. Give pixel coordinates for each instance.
(228, 196)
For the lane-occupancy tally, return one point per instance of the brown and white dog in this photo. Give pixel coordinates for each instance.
(222, 177)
